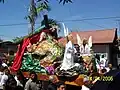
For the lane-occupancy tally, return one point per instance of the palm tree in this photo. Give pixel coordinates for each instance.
(32, 15)
(60, 1)
(2, 1)
(34, 10)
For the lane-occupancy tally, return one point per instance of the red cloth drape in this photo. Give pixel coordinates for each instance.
(21, 49)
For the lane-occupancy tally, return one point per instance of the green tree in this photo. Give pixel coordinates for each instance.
(2, 1)
(17, 39)
(32, 15)
(34, 10)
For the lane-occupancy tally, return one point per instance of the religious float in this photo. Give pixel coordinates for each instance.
(44, 54)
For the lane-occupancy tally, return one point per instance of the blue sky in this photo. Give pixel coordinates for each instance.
(14, 11)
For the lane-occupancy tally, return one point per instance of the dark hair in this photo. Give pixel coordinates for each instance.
(103, 56)
(58, 84)
(10, 83)
(97, 56)
(32, 73)
(103, 70)
(5, 67)
(1, 68)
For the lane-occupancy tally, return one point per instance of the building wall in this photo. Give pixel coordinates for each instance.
(102, 49)
(107, 48)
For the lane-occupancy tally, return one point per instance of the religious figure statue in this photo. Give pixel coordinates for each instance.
(85, 46)
(68, 61)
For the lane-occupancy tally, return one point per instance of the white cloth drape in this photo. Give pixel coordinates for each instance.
(68, 61)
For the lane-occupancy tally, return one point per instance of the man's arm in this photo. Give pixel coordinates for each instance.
(27, 85)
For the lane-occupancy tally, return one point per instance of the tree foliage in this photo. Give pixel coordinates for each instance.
(17, 39)
(2, 1)
(60, 1)
(34, 10)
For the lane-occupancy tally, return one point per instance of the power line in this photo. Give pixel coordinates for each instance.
(93, 24)
(85, 19)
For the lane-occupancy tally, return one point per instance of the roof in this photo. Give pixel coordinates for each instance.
(98, 36)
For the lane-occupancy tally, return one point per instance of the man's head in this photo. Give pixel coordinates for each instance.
(61, 86)
(33, 76)
(6, 70)
(4, 60)
(1, 68)
(110, 66)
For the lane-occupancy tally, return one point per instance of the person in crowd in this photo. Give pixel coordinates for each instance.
(1, 74)
(20, 79)
(4, 63)
(4, 76)
(61, 85)
(102, 62)
(52, 85)
(11, 83)
(31, 84)
(110, 66)
(77, 53)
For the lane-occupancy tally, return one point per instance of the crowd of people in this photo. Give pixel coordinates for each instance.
(10, 81)
(16, 81)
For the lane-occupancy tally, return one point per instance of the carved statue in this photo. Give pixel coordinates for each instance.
(85, 46)
(68, 61)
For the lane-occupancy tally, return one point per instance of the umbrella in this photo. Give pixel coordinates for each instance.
(108, 85)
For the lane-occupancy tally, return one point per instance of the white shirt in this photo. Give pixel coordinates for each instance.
(3, 79)
(1, 74)
(18, 82)
(108, 69)
(102, 62)
(4, 65)
(84, 88)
